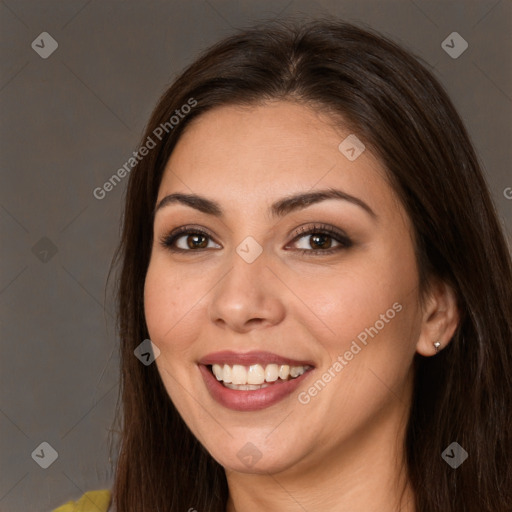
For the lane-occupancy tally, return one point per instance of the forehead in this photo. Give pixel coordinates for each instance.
(253, 154)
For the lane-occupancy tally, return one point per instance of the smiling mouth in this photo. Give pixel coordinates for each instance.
(255, 376)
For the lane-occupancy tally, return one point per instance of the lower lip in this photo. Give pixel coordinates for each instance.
(253, 400)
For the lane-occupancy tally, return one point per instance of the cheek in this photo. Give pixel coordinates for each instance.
(175, 310)
(348, 302)
(371, 311)
(165, 298)
(156, 300)
(172, 305)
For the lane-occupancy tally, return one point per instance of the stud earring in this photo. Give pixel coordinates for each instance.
(437, 344)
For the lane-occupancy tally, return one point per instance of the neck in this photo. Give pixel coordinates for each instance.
(366, 472)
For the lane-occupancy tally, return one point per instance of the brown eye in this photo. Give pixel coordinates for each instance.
(193, 240)
(196, 241)
(321, 240)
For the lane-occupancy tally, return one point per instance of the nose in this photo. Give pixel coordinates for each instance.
(248, 296)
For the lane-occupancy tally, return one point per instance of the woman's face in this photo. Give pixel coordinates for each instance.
(326, 289)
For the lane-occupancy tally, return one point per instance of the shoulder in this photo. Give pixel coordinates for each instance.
(92, 501)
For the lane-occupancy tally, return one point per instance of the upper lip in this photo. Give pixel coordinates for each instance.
(253, 357)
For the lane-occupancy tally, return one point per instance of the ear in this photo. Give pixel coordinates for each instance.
(440, 318)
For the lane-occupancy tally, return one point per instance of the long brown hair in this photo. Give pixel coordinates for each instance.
(401, 113)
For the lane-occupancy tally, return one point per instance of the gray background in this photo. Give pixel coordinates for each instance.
(71, 120)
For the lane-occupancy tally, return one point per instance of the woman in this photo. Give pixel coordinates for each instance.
(311, 248)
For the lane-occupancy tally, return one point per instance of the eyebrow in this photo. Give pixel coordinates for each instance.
(280, 208)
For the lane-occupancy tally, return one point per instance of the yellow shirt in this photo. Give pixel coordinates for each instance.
(92, 501)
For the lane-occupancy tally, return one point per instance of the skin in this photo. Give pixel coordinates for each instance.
(342, 450)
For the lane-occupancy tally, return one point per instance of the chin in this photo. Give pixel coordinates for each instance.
(245, 456)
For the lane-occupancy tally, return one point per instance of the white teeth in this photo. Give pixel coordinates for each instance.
(226, 377)
(255, 376)
(284, 371)
(217, 371)
(271, 372)
(295, 371)
(239, 374)
(246, 387)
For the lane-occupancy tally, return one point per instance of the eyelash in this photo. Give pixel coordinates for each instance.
(167, 241)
